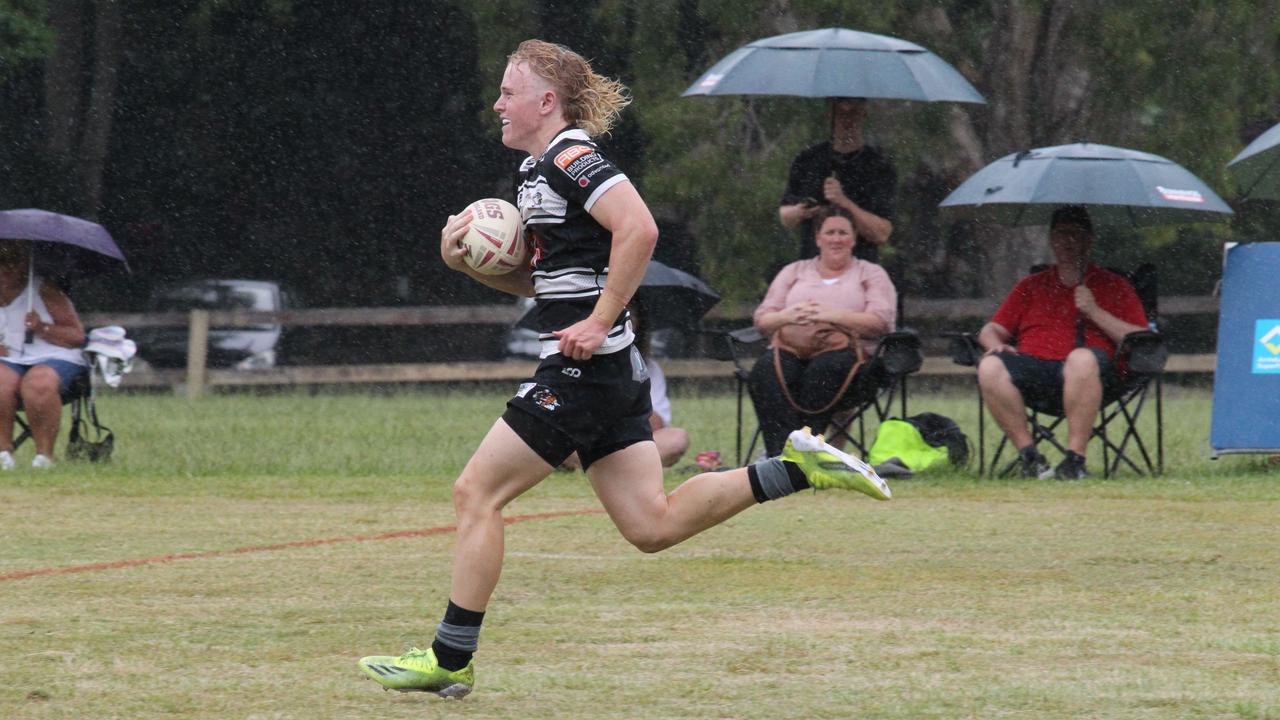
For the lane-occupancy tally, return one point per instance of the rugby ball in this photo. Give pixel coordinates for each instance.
(495, 239)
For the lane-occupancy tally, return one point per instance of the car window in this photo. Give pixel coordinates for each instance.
(185, 298)
(250, 299)
(182, 299)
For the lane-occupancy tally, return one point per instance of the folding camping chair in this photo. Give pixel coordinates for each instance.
(899, 351)
(1145, 353)
(81, 443)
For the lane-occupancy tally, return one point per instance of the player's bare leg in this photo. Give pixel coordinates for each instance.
(629, 485)
(500, 469)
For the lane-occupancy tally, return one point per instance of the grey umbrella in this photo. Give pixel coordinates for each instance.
(1257, 167)
(673, 298)
(1119, 187)
(836, 62)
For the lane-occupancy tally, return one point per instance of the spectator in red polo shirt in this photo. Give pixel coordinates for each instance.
(1052, 346)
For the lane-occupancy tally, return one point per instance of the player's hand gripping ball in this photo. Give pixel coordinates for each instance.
(495, 239)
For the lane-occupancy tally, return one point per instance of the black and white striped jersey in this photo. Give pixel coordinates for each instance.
(555, 193)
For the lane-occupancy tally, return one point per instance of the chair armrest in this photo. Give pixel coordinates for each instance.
(964, 348)
(741, 347)
(746, 335)
(900, 351)
(729, 345)
(1144, 351)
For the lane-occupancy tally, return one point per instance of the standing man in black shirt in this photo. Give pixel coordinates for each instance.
(846, 172)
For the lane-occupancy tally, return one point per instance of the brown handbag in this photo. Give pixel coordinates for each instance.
(829, 343)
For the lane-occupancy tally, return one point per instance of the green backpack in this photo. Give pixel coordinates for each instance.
(903, 439)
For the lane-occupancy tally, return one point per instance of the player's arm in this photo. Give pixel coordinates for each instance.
(622, 212)
(517, 282)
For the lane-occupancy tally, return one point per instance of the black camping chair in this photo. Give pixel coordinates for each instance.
(82, 444)
(899, 351)
(1144, 351)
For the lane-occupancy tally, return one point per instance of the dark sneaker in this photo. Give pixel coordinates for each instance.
(1033, 464)
(1071, 468)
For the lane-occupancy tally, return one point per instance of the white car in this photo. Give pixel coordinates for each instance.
(241, 348)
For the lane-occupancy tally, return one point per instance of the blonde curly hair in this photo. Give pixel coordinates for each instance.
(590, 101)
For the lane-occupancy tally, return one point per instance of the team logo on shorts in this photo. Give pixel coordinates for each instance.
(544, 397)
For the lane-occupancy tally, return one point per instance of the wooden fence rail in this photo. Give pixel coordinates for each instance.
(924, 309)
(197, 378)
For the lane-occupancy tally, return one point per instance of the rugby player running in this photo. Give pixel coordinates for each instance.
(592, 236)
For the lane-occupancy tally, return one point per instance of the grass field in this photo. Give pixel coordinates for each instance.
(233, 568)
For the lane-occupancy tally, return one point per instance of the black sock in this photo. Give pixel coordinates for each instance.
(795, 476)
(458, 621)
(450, 658)
(798, 479)
(1028, 451)
(757, 491)
(456, 615)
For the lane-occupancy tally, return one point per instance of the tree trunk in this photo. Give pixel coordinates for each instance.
(97, 131)
(62, 81)
(1036, 96)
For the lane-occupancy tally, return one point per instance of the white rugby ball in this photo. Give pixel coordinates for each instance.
(495, 239)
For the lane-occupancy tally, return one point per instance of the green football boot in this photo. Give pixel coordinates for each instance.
(826, 467)
(418, 671)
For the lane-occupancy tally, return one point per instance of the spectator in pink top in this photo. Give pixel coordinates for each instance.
(821, 316)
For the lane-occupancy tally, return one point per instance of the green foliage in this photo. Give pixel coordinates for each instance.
(1179, 79)
(285, 138)
(23, 34)
(500, 26)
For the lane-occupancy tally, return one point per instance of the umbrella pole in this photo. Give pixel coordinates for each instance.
(28, 334)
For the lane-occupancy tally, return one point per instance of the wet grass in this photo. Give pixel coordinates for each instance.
(964, 597)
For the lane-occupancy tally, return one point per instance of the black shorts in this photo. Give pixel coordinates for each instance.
(1040, 381)
(595, 407)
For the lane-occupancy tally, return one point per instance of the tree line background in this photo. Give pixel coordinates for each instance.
(322, 143)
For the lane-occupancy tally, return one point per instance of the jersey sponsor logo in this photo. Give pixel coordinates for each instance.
(566, 157)
(580, 167)
(577, 160)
